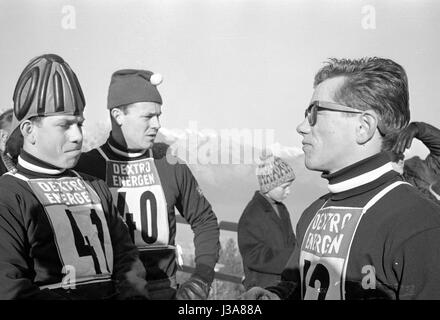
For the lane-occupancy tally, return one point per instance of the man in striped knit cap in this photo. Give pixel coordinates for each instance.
(265, 235)
(60, 235)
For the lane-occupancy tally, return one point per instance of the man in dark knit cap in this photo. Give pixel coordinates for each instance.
(147, 185)
(373, 236)
(61, 237)
(265, 235)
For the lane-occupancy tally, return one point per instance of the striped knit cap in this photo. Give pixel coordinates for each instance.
(272, 172)
(47, 86)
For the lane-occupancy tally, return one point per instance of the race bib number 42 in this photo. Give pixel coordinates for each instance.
(136, 189)
(325, 250)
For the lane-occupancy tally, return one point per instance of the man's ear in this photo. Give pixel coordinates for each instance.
(27, 129)
(367, 126)
(117, 115)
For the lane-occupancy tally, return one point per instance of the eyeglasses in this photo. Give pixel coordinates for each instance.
(311, 112)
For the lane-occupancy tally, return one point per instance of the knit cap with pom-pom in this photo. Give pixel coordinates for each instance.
(130, 86)
(272, 172)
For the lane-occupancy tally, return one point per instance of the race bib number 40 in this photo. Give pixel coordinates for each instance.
(80, 229)
(325, 250)
(136, 190)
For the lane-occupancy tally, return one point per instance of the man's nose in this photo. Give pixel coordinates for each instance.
(303, 127)
(75, 133)
(155, 123)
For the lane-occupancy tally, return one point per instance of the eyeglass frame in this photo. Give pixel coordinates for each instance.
(311, 113)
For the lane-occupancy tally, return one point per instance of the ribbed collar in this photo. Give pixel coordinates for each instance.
(361, 176)
(433, 187)
(31, 165)
(124, 152)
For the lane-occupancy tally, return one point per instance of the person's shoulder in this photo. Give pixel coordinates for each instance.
(408, 196)
(310, 211)
(163, 153)
(160, 150)
(88, 177)
(91, 154)
(12, 188)
(251, 215)
(169, 165)
(10, 179)
(91, 162)
(317, 204)
(410, 210)
(255, 210)
(94, 181)
(257, 202)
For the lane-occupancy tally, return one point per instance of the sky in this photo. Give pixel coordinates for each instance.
(246, 64)
(226, 63)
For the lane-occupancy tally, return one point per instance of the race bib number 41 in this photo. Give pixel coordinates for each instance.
(325, 250)
(136, 189)
(79, 225)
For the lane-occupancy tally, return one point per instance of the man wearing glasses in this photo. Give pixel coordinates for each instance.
(372, 236)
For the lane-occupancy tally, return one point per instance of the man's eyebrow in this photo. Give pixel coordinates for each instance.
(60, 121)
(70, 121)
(153, 113)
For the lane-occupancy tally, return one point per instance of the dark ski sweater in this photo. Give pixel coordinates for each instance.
(169, 184)
(62, 238)
(371, 237)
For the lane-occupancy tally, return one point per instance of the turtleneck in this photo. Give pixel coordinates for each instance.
(124, 151)
(29, 164)
(361, 176)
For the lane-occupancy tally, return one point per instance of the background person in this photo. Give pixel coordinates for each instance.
(421, 173)
(7, 163)
(265, 235)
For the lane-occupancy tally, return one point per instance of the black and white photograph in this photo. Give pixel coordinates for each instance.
(224, 151)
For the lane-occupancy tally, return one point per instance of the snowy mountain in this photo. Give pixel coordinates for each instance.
(230, 186)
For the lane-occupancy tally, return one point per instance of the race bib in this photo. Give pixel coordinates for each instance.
(325, 250)
(80, 229)
(138, 195)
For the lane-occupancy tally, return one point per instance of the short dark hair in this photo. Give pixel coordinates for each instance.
(123, 108)
(36, 120)
(372, 83)
(5, 118)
